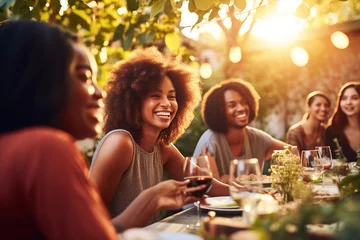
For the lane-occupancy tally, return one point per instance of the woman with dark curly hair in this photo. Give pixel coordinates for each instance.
(345, 122)
(227, 109)
(150, 102)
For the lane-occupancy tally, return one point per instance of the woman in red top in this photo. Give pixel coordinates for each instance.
(49, 98)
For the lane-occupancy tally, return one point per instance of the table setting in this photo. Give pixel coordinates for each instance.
(283, 205)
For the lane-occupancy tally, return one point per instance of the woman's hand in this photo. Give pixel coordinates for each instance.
(173, 194)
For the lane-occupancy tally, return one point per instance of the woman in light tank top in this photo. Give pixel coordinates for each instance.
(150, 102)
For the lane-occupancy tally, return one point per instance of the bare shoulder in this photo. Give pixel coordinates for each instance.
(118, 147)
(169, 152)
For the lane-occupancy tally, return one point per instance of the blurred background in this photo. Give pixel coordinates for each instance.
(285, 48)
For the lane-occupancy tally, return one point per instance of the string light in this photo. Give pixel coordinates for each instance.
(235, 54)
(103, 55)
(205, 70)
(299, 56)
(340, 40)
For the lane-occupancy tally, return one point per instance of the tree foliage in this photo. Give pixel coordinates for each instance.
(112, 28)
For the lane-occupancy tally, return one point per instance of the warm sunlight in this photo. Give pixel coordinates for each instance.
(299, 56)
(188, 19)
(340, 40)
(281, 26)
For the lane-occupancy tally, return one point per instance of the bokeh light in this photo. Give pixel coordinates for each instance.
(340, 40)
(235, 54)
(205, 70)
(299, 56)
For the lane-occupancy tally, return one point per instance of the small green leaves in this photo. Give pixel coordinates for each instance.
(240, 4)
(214, 13)
(192, 6)
(203, 4)
(172, 41)
(225, 1)
(132, 5)
(168, 8)
(157, 7)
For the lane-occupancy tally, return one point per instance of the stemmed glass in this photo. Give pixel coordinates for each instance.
(293, 150)
(197, 170)
(326, 157)
(313, 167)
(246, 186)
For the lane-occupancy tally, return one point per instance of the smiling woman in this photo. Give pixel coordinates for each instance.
(345, 122)
(46, 106)
(150, 101)
(310, 132)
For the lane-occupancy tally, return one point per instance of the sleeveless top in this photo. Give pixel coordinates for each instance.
(144, 171)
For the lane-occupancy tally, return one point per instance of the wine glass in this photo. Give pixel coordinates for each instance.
(198, 171)
(246, 186)
(312, 165)
(326, 157)
(293, 150)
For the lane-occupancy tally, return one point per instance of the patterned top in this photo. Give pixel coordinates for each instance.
(145, 171)
(296, 137)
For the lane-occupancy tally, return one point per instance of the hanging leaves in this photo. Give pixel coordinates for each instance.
(129, 36)
(214, 13)
(172, 41)
(157, 7)
(132, 5)
(119, 31)
(225, 1)
(240, 4)
(203, 4)
(168, 8)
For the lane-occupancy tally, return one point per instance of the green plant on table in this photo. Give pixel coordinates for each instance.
(341, 169)
(285, 172)
(294, 224)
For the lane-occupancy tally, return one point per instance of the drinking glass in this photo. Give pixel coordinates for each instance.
(246, 186)
(325, 155)
(293, 150)
(312, 165)
(326, 158)
(198, 171)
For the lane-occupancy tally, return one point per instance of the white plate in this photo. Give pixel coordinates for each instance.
(256, 182)
(219, 204)
(143, 234)
(178, 236)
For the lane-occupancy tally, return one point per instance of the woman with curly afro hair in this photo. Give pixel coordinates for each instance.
(150, 102)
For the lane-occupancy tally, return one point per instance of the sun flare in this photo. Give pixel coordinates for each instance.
(281, 26)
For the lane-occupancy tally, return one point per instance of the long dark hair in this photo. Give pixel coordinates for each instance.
(34, 66)
(339, 120)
